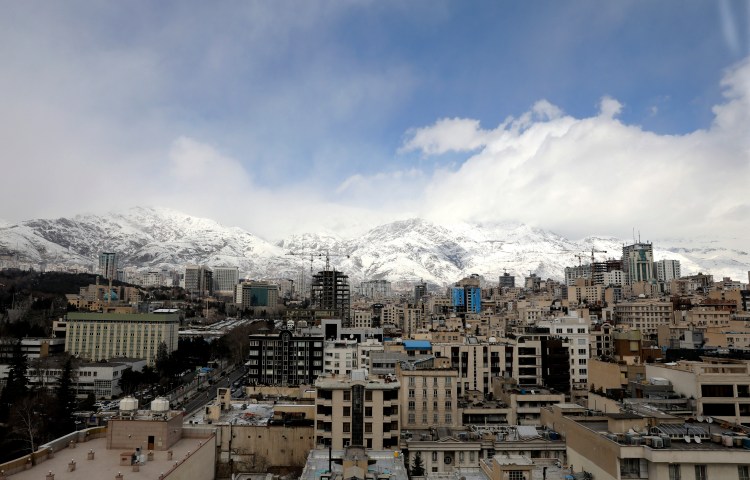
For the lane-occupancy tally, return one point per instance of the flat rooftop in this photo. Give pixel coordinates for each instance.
(385, 464)
(106, 463)
(251, 414)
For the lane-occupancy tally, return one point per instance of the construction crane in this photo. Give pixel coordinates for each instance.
(593, 251)
(312, 256)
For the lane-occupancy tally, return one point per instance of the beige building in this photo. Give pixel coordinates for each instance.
(102, 336)
(477, 362)
(628, 446)
(357, 410)
(428, 395)
(720, 387)
(645, 315)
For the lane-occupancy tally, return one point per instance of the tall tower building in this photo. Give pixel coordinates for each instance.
(507, 280)
(420, 290)
(330, 291)
(225, 279)
(638, 262)
(108, 265)
(667, 270)
(199, 280)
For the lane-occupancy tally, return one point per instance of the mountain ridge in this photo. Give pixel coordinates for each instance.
(149, 238)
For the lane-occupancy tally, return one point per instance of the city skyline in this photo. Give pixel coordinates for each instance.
(576, 117)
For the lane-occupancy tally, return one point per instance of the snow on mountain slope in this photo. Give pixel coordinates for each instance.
(407, 250)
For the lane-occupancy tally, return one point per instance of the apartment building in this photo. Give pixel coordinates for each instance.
(576, 332)
(340, 357)
(720, 387)
(477, 362)
(646, 315)
(101, 336)
(428, 396)
(285, 359)
(617, 446)
(357, 410)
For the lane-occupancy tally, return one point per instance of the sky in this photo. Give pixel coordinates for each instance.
(581, 117)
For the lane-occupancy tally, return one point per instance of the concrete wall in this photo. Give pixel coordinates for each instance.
(256, 448)
(132, 434)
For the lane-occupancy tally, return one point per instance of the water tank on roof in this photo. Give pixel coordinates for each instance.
(492, 340)
(128, 404)
(160, 404)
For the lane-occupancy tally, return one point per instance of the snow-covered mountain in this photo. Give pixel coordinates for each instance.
(403, 251)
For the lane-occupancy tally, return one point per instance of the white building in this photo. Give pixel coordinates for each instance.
(577, 331)
(667, 270)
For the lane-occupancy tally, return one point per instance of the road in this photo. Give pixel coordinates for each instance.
(202, 398)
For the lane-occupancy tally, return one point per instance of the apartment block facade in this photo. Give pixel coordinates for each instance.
(101, 336)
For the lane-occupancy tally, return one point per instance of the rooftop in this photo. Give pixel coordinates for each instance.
(386, 465)
(106, 463)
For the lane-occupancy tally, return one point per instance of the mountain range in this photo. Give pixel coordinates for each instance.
(403, 251)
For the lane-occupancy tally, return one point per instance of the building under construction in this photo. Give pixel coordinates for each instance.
(330, 293)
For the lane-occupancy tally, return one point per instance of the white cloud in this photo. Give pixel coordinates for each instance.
(597, 174)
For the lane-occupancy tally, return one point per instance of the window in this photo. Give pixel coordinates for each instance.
(434, 393)
(412, 405)
(448, 394)
(347, 411)
(674, 472)
(448, 381)
(743, 471)
(368, 411)
(368, 427)
(515, 475)
(434, 456)
(347, 395)
(701, 472)
(411, 393)
(630, 467)
(412, 381)
(448, 418)
(347, 427)
(412, 418)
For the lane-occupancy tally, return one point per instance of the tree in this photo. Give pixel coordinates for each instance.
(418, 469)
(66, 400)
(17, 384)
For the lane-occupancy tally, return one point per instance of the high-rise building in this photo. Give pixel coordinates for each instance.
(638, 262)
(375, 289)
(420, 290)
(330, 292)
(199, 280)
(667, 270)
(225, 279)
(108, 265)
(507, 280)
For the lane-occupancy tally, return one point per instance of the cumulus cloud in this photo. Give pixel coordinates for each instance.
(597, 174)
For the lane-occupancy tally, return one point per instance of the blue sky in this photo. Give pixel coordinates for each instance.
(216, 107)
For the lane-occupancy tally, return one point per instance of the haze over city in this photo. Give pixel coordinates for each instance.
(280, 117)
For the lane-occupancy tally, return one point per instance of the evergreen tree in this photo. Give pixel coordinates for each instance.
(66, 400)
(17, 384)
(418, 469)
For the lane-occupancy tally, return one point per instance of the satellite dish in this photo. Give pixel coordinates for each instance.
(697, 439)
(700, 418)
(686, 438)
(710, 419)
